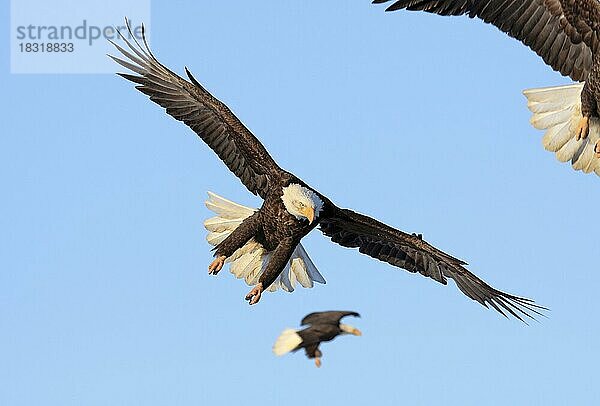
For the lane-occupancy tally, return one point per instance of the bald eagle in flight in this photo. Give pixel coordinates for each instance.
(566, 34)
(322, 326)
(264, 245)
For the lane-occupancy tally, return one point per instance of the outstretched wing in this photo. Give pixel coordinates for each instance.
(412, 253)
(540, 24)
(212, 120)
(330, 317)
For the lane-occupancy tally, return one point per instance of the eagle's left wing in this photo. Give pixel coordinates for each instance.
(215, 124)
(412, 253)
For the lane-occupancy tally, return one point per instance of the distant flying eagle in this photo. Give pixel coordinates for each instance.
(324, 326)
(263, 243)
(566, 34)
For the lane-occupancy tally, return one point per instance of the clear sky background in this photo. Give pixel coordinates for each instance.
(414, 119)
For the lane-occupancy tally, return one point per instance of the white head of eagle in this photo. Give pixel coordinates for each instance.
(348, 329)
(302, 202)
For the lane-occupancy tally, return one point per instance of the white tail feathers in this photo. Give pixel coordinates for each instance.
(558, 111)
(249, 262)
(288, 341)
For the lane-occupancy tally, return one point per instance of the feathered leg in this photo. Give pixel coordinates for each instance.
(313, 351)
(235, 240)
(279, 258)
(588, 107)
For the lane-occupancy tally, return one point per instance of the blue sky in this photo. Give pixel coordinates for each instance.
(416, 120)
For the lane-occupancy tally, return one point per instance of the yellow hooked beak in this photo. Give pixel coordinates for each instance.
(309, 213)
(356, 332)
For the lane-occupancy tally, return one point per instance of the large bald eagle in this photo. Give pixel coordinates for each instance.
(566, 34)
(322, 326)
(265, 242)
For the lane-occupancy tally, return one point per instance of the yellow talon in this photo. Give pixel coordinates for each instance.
(583, 128)
(254, 295)
(216, 265)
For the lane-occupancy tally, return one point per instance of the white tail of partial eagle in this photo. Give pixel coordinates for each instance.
(287, 341)
(249, 261)
(558, 111)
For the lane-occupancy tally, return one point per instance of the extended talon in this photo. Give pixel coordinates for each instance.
(583, 128)
(254, 295)
(318, 362)
(216, 265)
(597, 149)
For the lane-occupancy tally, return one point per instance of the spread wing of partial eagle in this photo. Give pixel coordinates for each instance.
(565, 34)
(322, 326)
(263, 246)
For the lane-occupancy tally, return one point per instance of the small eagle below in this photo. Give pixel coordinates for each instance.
(323, 326)
(263, 246)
